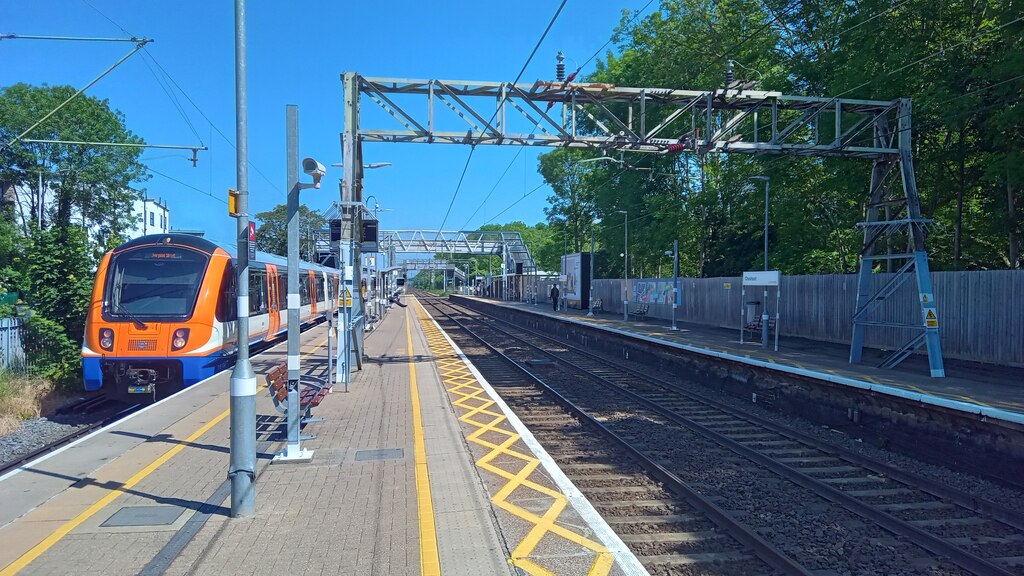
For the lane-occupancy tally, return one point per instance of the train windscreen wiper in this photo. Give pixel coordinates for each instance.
(135, 319)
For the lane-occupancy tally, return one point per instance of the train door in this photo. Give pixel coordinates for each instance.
(275, 300)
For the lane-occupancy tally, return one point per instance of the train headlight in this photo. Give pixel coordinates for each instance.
(106, 338)
(180, 339)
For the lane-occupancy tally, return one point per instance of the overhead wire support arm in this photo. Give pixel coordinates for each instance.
(195, 149)
(138, 46)
(72, 38)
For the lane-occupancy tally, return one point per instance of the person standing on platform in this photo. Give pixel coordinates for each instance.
(554, 297)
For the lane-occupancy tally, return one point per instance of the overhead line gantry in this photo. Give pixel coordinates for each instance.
(735, 119)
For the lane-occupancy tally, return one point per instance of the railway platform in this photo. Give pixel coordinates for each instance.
(419, 468)
(971, 387)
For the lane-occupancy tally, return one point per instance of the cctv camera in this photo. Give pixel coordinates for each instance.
(314, 169)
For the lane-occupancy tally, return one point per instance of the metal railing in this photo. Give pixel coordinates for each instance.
(25, 348)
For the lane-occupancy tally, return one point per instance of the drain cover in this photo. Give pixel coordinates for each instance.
(144, 516)
(380, 454)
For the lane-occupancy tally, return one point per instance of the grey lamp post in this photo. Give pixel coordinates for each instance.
(674, 253)
(242, 407)
(766, 185)
(565, 251)
(590, 294)
(376, 262)
(625, 264)
(764, 310)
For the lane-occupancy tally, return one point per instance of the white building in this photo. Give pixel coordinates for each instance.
(153, 217)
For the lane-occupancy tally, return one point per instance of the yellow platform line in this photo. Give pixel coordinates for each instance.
(66, 528)
(430, 562)
(472, 399)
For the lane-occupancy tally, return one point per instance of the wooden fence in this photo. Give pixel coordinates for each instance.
(981, 314)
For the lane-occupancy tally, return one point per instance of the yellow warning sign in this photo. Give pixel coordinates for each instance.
(930, 319)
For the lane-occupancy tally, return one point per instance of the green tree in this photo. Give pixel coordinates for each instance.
(571, 208)
(272, 235)
(958, 61)
(84, 188)
(58, 277)
(82, 183)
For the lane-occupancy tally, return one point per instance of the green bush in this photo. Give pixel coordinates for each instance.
(50, 353)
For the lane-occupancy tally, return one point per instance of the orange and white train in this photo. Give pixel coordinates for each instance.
(163, 310)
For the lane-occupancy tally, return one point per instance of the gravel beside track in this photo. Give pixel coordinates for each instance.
(54, 430)
(824, 511)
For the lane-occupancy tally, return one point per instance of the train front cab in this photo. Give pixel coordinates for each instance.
(156, 320)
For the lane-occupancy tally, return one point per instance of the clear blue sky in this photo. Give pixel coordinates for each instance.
(297, 51)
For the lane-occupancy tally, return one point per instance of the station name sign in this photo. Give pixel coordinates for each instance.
(764, 278)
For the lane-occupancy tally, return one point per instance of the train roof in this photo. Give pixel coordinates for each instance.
(209, 246)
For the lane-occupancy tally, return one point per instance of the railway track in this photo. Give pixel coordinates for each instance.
(91, 405)
(856, 508)
(671, 527)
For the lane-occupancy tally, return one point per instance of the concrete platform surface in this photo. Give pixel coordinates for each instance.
(395, 485)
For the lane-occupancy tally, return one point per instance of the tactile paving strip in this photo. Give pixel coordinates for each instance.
(476, 406)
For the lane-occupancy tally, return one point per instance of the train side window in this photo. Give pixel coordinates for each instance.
(282, 288)
(303, 289)
(258, 302)
(319, 288)
(227, 308)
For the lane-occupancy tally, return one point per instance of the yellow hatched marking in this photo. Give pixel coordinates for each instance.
(472, 399)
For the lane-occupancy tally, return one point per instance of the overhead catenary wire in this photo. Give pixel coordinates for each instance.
(519, 76)
(520, 150)
(170, 96)
(187, 185)
(605, 45)
(874, 80)
(742, 41)
(275, 187)
(792, 4)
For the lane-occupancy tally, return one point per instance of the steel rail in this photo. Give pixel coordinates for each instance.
(959, 497)
(761, 548)
(926, 540)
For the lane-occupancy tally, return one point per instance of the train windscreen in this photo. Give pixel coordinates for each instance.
(154, 282)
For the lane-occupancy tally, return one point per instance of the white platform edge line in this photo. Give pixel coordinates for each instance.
(624, 557)
(957, 405)
(106, 428)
